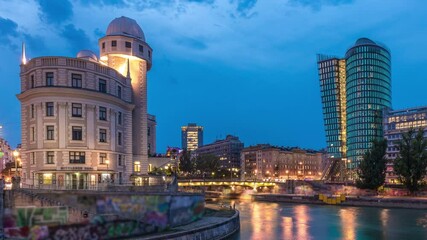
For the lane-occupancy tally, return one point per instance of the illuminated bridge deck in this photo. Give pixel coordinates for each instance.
(196, 183)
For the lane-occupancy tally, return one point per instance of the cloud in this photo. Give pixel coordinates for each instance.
(8, 30)
(191, 43)
(76, 38)
(317, 4)
(243, 8)
(114, 3)
(55, 12)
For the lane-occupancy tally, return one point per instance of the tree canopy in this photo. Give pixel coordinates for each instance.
(411, 163)
(372, 168)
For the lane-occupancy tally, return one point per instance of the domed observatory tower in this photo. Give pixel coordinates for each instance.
(124, 49)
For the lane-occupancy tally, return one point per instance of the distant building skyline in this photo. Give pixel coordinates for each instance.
(264, 161)
(395, 123)
(191, 136)
(227, 150)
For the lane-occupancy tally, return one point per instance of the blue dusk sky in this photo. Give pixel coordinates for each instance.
(241, 67)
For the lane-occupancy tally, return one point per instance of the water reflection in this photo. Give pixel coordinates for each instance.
(265, 221)
(287, 226)
(348, 223)
(302, 219)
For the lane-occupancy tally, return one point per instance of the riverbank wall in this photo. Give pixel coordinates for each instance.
(382, 202)
(207, 228)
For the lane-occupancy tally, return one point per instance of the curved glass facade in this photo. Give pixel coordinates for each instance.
(368, 91)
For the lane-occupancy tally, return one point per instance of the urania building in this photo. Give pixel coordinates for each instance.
(84, 119)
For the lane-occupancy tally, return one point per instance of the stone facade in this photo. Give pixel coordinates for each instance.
(84, 121)
(265, 162)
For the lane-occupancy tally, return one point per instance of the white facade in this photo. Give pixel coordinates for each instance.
(84, 121)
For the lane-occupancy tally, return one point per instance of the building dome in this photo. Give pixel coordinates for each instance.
(125, 26)
(88, 55)
(364, 41)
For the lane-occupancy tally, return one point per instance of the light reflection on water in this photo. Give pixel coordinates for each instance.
(265, 221)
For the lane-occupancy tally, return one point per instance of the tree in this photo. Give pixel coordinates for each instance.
(207, 163)
(186, 164)
(411, 163)
(372, 168)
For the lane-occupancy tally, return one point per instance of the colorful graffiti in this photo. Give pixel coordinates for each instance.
(146, 209)
(186, 209)
(111, 216)
(31, 221)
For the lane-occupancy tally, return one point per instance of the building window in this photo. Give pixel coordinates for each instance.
(49, 157)
(32, 158)
(137, 166)
(114, 43)
(128, 44)
(103, 45)
(141, 49)
(77, 133)
(32, 111)
(33, 134)
(149, 54)
(102, 113)
(32, 81)
(148, 131)
(77, 157)
(119, 138)
(49, 79)
(76, 80)
(102, 158)
(50, 133)
(49, 109)
(119, 91)
(102, 135)
(119, 118)
(120, 160)
(76, 110)
(102, 85)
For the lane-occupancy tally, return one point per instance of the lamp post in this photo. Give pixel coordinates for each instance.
(15, 156)
(287, 173)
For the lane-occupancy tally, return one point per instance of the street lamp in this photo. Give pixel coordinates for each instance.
(287, 173)
(15, 155)
(107, 162)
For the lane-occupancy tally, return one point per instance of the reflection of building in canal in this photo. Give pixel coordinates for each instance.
(396, 122)
(84, 119)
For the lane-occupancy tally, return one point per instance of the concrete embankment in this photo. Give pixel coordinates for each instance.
(374, 201)
(213, 226)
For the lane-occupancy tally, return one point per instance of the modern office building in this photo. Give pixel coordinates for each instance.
(354, 91)
(84, 119)
(228, 150)
(191, 136)
(395, 123)
(266, 162)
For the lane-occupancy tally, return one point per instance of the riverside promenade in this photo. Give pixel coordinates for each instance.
(362, 201)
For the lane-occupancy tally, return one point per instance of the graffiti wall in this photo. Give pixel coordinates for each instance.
(185, 209)
(151, 210)
(113, 216)
(25, 221)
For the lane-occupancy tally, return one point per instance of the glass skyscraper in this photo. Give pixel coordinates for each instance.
(354, 90)
(368, 90)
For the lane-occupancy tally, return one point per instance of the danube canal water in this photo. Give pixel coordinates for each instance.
(270, 221)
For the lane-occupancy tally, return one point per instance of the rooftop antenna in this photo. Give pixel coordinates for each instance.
(23, 57)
